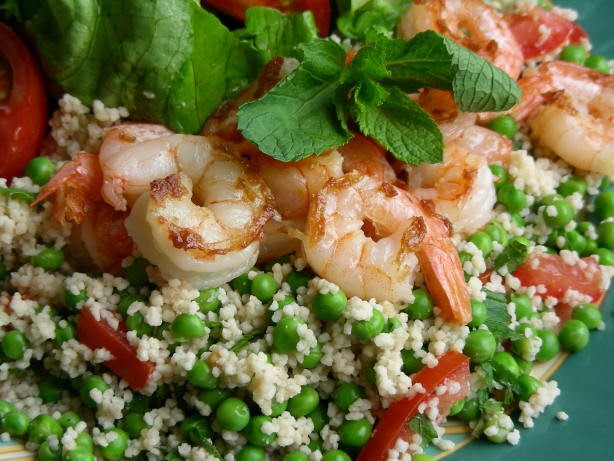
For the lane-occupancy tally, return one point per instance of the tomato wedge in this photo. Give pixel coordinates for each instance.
(393, 424)
(97, 334)
(551, 271)
(557, 31)
(236, 8)
(23, 105)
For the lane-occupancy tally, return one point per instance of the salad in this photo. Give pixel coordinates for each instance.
(296, 230)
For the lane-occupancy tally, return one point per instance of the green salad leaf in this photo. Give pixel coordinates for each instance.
(164, 60)
(358, 18)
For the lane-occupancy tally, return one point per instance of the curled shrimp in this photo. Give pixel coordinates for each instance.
(74, 192)
(470, 23)
(364, 155)
(570, 111)
(371, 237)
(203, 222)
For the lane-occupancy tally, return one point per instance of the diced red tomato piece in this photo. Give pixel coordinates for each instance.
(97, 334)
(551, 271)
(23, 105)
(236, 8)
(541, 32)
(452, 366)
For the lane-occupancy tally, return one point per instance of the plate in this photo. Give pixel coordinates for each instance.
(585, 378)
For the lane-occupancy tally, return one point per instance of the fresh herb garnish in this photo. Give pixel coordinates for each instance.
(513, 255)
(247, 338)
(307, 112)
(423, 426)
(498, 319)
(18, 194)
(358, 18)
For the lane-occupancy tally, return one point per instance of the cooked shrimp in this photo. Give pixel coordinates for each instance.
(570, 111)
(470, 23)
(364, 155)
(370, 238)
(203, 222)
(74, 192)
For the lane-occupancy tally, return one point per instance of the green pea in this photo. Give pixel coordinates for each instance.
(329, 306)
(319, 417)
(411, 363)
(73, 300)
(421, 307)
(40, 170)
(84, 441)
(505, 366)
(295, 456)
(558, 214)
(277, 408)
(513, 199)
(42, 427)
(575, 241)
(550, 346)
(14, 345)
(518, 220)
(126, 300)
(574, 184)
(251, 453)
(456, 408)
(79, 454)
(285, 334)
(264, 287)
(505, 125)
(574, 335)
(587, 314)
(134, 423)
(524, 346)
(598, 63)
(605, 235)
(346, 394)
(483, 241)
(313, 357)
(50, 389)
(304, 402)
(479, 313)
(470, 411)
(136, 322)
(48, 259)
(336, 455)
(213, 397)
(606, 257)
(524, 306)
(497, 232)
(392, 324)
(136, 273)
(90, 383)
(115, 449)
(187, 326)
(254, 434)
(200, 375)
(208, 301)
(604, 204)
(369, 329)
(525, 365)
(499, 437)
(232, 414)
(69, 419)
(355, 433)
(501, 173)
(46, 453)
(298, 279)
(480, 345)
(528, 386)
(5, 407)
(591, 249)
(573, 53)
(242, 284)
(16, 423)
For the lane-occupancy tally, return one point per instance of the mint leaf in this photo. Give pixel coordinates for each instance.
(357, 18)
(247, 338)
(497, 319)
(423, 426)
(298, 117)
(18, 194)
(401, 126)
(267, 33)
(513, 255)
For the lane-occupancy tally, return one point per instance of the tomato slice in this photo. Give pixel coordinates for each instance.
(23, 105)
(551, 271)
(394, 423)
(236, 8)
(541, 32)
(97, 334)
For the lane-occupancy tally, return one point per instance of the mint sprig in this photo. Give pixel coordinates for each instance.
(310, 110)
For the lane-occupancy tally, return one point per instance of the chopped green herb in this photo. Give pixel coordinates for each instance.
(423, 426)
(248, 338)
(18, 194)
